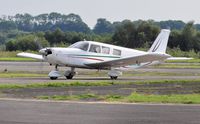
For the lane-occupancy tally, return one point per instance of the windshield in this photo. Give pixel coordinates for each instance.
(80, 45)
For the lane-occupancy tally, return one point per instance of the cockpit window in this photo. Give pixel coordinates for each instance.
(105, 50)
(80, 45)
(116, 52)
(95, 48)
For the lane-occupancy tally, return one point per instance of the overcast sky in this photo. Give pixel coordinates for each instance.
(112, 10)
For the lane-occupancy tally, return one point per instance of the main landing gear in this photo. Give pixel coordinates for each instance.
(54, 74)
(114, 74)
(69, 74)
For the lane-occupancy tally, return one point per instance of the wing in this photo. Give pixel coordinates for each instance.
(148, 57)
(30, 55)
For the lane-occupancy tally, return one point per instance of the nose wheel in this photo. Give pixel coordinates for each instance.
(113, 77)
(54, 74)
(53, 78)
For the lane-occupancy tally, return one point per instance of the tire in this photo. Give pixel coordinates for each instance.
(53, 78)
(113, 77)
(69, 77)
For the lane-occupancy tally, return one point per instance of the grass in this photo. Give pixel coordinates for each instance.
(180, 66)
(16, 59)
(168, 81)
(184, 61)
(12, 56)
(158, 74)
(53, 84)
(133, 98)
(8, 53)
(100, 83)
(185, 99)
(16, 74)
(72, 97)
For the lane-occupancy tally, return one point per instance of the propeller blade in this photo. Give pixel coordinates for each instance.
(45, 51)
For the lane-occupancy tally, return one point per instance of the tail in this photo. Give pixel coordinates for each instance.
(160, 44)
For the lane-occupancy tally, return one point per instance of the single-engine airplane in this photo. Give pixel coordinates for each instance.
(101, 56)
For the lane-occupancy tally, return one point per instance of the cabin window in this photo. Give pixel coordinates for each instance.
(95, 48)
(105, 50)
(116, 52)
(80, 45)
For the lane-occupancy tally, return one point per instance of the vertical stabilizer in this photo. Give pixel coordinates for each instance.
(160, 44)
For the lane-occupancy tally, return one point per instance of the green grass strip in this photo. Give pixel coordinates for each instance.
(185, 99)
(184, 61)
(133, 98)
(20, 74)
(100, 83)
(53, 84)
(178, 66)
(72, 97)
(16, 59)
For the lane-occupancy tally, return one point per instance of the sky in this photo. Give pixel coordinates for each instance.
(112, 10)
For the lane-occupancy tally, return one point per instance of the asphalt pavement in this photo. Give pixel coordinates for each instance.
(46, 112)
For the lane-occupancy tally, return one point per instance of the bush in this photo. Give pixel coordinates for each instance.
(177, 52)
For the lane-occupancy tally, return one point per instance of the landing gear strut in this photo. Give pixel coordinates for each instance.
(69, 74)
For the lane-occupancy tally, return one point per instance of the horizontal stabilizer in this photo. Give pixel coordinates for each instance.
(31, 55)
(179, 58)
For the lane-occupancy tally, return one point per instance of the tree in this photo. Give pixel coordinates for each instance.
(54, 17)
(55, 37)
(11, 45)
(146, 33)
(188, 35)
(7, 25)
(174, 39)
(2, 38)
(125, 35)
(26, 42)
(172, 24)
(103, 26)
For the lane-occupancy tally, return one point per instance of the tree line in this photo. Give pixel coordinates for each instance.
(127, 35)
(27, 32)
(71, 22)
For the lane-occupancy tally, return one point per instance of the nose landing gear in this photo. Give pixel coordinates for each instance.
(54, 74)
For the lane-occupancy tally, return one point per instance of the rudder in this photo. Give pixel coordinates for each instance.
(160, 44)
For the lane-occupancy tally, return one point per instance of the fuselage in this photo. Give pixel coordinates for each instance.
(86, 52)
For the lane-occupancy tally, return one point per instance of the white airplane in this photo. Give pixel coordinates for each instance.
(95, 55)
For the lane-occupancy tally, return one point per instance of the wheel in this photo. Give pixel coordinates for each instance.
(53, 78)
(69, 76)
(113, 77)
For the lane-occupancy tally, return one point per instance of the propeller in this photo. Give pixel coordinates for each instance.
(45, 51)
